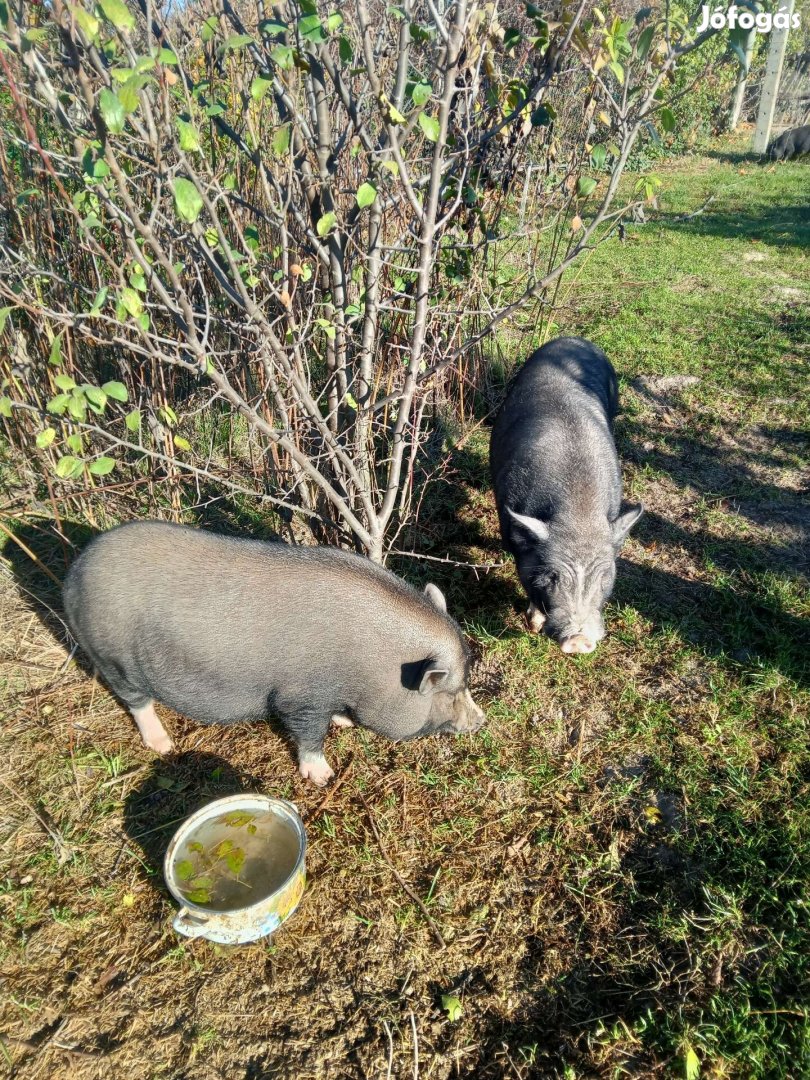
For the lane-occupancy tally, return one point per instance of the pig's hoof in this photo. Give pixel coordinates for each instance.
(161, 744)
(535, 619)
(339, 720)
(578, 644)
(316, 768)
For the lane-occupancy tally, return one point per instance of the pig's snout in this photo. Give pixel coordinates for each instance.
(578, 643)
(469, 717)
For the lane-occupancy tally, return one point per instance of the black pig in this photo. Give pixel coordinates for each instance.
(558, 488)
(223, 630)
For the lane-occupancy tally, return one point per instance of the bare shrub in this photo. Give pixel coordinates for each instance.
(258, 251)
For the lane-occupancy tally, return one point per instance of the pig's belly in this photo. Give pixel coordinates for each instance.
(209, 698)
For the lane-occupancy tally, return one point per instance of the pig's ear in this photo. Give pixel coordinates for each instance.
(535, 526)
(625, 522)
(433, 678)
(436, 597)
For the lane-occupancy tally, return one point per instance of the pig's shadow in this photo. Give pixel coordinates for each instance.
(173, 789)
(37, 580)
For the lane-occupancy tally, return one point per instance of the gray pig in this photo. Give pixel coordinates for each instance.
(558, 488)
(224, 630)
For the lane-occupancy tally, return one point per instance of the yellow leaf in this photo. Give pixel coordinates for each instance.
(603, 116)
(576, 223)
(128, 900)
(653, 814)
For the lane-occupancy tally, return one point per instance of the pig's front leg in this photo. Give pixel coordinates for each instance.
(309, 731)
(535, 619)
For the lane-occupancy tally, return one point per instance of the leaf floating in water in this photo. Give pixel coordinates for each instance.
(238, 817)
(184, 869)
(222, 848)
(196, 846)
(202, 882)
(199, 896)
(252, 830)
(235, 860)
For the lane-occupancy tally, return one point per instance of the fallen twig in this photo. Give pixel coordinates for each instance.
(309, 817)
(402, 882)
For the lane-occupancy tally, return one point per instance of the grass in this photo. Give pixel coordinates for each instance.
(618, 863)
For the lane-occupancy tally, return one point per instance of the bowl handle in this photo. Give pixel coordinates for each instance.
(188, 925)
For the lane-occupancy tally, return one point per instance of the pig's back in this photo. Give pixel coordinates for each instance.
(552, 437)
(171, 604)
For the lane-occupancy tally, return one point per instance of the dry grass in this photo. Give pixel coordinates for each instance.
(617, 864)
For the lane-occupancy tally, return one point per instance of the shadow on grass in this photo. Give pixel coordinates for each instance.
(778, 225)
(173, 789)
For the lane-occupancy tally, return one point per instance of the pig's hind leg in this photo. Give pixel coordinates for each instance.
(152, 731)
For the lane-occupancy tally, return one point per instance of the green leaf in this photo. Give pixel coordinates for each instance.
(128, 94)
(259, 87)
(235, 818)
(235, 860)
(5, 406)
(430, 126)
(282, 56)
(67, 466)
(58, 404)
(585, 185)
(311, 30)
(118, 14)
(209, 28)
(334, 22)
(101, 466)
(98, 303)
(366, 194)
(55, 356)
(271, 28)
(166, 56)
(143, 321)
(184, 444)
(236, 42)
(667, 119)
(452, 1006)
(4, 314)
(131, 301)
(96, 398)
(75, 442)
(115, 390)
(46, 437)
(77, 405)
(392, 167)
(280, 143)
(199, 896)
(64, 382)
(511, 38)
(644, 42)
(184, 869)
(691, 1064)
(189, 136)
(133, 421)
(112, 111)
(598, 156)
(420, 93)
(326, 223)
(396, 116)
(168, 414)
(88, 23)
(345, 50)
(617, 70)
(187, 200)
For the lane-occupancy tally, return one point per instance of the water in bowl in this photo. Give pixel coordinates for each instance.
(236, 859)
